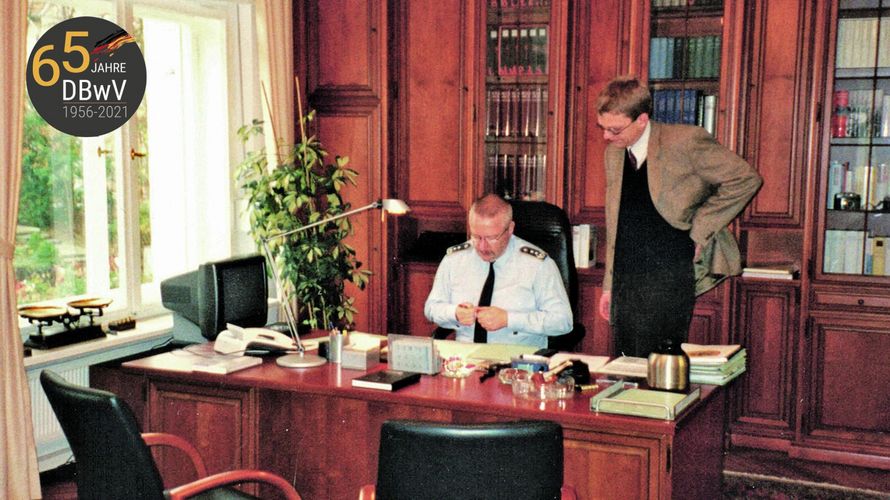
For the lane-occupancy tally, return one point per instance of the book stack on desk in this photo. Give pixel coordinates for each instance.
(715, 364)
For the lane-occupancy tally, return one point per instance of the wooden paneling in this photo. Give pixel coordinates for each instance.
(433, 139)
(767, 327)
(847, 372)
(346, 40)
(416, 282)
(346, 64)
(603, 49)
(776, 128)
(598, 334)
(203, 416)
(353, 136)
(590, 467)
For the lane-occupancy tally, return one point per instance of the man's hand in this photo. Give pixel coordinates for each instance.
(605, 304)
(698, 249)
(491, 318)
(465, 314)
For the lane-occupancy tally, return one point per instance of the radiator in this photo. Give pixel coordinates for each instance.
(52, 447)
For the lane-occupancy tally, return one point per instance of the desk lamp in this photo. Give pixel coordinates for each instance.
(301, 359)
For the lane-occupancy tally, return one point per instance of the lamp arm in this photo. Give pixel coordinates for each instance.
(289, 313)
(376, 204)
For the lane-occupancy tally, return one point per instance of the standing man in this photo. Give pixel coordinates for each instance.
(671, 192)
(497, 287)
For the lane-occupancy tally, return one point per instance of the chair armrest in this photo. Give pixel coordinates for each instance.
(568, 493)
(164, 439)
(368, 492)
(233, 477)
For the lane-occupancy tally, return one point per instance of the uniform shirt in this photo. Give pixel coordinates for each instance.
(527, 285)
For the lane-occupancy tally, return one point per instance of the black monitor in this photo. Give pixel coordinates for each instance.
(227, 291)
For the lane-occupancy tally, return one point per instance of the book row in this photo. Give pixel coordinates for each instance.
(516, 112)
(684, 3)
(516, 51)
(685, 106)
(860, 46)
(519, 176)
(870, 182)
(684, 57)
(856, 252)
(860, 113)
(518, 4)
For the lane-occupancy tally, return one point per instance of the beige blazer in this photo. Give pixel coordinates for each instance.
(697, 185)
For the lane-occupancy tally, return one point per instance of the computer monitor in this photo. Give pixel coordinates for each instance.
(227, 291)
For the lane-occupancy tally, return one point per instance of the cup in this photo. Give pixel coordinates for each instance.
(337, 340)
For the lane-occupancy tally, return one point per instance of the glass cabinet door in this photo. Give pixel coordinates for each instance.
(857, 174)
(518, 82)
(684, 61)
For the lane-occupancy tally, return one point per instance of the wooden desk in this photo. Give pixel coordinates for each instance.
(312, 427)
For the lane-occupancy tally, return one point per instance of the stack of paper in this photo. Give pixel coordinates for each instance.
(715, 364)
(776, 271)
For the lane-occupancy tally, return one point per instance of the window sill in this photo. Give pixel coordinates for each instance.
(148, 333)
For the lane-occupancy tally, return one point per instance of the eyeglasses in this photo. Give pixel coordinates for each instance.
(616, 131)
(491, 240)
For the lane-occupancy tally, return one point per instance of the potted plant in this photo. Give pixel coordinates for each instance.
(299, 189)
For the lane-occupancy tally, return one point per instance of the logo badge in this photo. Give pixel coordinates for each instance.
(86, 76)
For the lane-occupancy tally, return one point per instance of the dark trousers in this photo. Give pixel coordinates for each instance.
(650, 308)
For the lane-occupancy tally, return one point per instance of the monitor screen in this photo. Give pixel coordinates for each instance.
(227, 291)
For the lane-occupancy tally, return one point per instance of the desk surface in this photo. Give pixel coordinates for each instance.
(437, 391)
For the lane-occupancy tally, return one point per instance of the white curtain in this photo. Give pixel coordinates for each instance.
(276, 53)
(19, 475)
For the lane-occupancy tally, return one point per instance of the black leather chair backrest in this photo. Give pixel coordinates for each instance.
(112, 459)
(511, 460)
(547, 226)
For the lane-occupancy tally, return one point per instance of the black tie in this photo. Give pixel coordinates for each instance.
(480, 335)
(632, 159)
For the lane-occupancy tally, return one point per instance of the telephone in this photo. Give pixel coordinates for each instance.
(237, 340)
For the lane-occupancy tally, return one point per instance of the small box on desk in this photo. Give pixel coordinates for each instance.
(360, 358)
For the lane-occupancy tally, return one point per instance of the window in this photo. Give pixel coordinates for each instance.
(112, 216)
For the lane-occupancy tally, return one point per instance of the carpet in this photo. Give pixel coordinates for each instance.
(743, 485)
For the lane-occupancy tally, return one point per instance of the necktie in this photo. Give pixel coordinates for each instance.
(480, 335)
(632, 159)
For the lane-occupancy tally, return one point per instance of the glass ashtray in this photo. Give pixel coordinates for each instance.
(456, 367)
(533, 386)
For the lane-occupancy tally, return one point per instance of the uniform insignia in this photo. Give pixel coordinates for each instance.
(458, 248)
(534, 252)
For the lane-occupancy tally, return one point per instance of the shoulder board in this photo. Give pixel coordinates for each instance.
(458, 248)
(534, 252)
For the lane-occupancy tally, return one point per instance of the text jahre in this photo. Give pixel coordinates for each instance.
(109, 67)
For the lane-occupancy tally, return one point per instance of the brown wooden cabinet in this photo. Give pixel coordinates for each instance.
(844, 369)
(764, 402)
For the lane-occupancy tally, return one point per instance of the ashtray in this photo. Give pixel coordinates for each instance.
(534, 386)
(456, 367)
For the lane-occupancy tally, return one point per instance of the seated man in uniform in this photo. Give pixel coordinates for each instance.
(497, 287)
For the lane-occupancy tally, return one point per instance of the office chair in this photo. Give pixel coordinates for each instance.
(508, 460)
(547, 226)
(114, 460)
